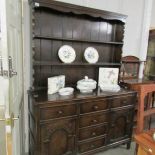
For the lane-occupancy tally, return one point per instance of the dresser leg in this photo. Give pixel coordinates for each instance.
(128, 145)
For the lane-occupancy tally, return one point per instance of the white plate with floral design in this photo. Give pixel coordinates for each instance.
(66, 54)
(91, 55)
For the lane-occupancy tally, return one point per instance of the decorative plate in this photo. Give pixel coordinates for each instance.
(91, 55)
(66, 54)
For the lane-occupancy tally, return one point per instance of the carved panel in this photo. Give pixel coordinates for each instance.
(121, 123)
(58, 135)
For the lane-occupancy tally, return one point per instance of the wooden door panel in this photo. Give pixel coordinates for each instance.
(121, 123)
(58, 134)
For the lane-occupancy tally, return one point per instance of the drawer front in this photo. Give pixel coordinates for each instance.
(57, 112)
(94, 144)
(122, 101)
(92, 132)
(93, 106)
(88, 120)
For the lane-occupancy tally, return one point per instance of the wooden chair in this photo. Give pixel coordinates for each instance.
(146, 143)
(145, 109)
(129, 68)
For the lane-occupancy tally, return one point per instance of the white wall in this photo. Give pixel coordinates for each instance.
(153, 16)
(27, 68)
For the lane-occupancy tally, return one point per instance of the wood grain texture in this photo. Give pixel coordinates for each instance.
(146, 143)
(54, 28)
(79, 123)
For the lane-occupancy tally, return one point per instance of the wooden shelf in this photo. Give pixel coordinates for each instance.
(75, 40)
(50, 63)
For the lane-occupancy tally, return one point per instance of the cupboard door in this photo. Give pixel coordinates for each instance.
(58, 138)
(121, 125)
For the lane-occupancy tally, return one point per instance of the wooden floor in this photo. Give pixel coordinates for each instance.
(121, 150)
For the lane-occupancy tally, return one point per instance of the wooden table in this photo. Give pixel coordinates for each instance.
(146, 144)
(132, 82)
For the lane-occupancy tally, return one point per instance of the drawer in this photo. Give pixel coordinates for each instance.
(122, 101)
(88, 120)
(92, 132)
(94, 144)
(93, 106)
(57, 112)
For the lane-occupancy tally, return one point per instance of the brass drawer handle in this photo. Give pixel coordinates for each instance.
(94, 121)
(113, 125)
(95, 107)
(92, 146)
(124, 102)
(60, 112)
(93, 134)
(128, 121)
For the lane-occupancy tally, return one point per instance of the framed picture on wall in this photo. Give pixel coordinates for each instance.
(108, 76)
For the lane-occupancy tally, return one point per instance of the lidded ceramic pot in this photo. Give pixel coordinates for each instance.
(86, 85)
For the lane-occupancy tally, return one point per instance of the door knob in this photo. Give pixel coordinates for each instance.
(9, 121)
(2, 119)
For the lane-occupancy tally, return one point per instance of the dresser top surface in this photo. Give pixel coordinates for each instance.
(41, 96)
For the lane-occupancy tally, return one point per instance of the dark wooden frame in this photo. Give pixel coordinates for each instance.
(115, 111)
(130, 64)
(56, 24)
(150, 63)
(54, 119)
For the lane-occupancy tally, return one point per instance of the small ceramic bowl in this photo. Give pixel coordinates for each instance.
(110, 88)
(66, 91)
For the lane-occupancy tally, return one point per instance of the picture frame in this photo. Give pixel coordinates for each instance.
(108, 76)
(55, 83)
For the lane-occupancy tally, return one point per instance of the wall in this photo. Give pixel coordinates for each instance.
(153, 16)
(27, 68)
(132, 41)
